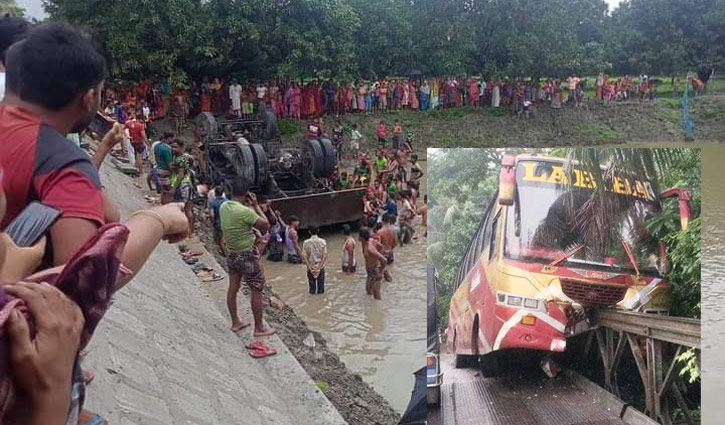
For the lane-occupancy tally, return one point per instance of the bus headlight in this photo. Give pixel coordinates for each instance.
(520, 301)
(531, 303)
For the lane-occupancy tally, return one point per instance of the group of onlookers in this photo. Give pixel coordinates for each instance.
(56, 290)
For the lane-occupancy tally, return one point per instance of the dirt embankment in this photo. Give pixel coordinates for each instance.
(593, 124)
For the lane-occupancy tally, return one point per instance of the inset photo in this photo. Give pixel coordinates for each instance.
(563, 286)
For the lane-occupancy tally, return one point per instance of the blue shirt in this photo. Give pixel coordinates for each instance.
(391, 207)
(215, 205)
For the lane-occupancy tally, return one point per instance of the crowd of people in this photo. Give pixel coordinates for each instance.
(56, 290)
(312, 99)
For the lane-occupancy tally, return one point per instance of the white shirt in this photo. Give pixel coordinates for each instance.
(261, 92)
(235, 91)
(2, 85)
(356, 135)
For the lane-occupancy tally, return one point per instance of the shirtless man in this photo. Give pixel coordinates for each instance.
(294, 252)
(388, 237)
(375, 264)
(349, 262)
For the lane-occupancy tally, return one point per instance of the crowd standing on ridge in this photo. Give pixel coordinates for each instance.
(158, 98)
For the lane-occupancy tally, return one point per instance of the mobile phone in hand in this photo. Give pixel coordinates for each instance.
(101, 124)
(32, 224)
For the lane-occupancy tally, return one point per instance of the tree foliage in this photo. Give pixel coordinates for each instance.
(10, 7)
(372, 38)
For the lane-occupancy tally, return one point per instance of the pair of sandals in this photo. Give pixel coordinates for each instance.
(260, 349)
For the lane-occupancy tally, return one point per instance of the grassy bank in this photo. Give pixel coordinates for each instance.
(658, 121)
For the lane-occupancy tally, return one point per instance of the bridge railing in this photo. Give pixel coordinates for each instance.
(646, 335)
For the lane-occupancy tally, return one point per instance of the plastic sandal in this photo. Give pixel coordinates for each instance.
(214, 277)
(254, 345)
(258, 353)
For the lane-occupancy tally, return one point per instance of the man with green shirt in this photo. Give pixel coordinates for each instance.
(381, 162)
(164, 157)
(239, 217)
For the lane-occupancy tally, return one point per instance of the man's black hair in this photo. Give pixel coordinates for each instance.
(365, 233)
(218, 191)
(168, 135)
(13, 73)
(12, 29)
(239, 187)
(425, 198)
(313, 230)
(346, 229)
(58, 63)
(293, 218)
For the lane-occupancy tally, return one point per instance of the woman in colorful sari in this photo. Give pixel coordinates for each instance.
(414, 96)
(557, 97)
(472, 92)
(274, 98)
(383, 97)
(348, 98)
(368, 98)
(288, 99)
(434, 90)
(296, 101)
(496, 95)
(424, 95)
(353, 98)
(361, 97)
(405, 102)
(599, 92)
(318, 99)
(205, 101)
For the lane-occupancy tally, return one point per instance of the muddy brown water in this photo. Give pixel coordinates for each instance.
(382, 341)
(713, 287)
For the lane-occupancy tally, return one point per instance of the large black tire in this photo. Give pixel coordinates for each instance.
(330, 155)
(260, 164)
(317, 156)
(249, 170)
(490, 365)
(251, 164)
(462, 361)
(208, 125)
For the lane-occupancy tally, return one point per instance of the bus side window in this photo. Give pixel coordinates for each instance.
(493, 245)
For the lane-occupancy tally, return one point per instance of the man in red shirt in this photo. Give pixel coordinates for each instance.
(59, 93)
(136, 133)
(382, 133)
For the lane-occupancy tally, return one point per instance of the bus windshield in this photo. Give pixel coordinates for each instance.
(552, 214)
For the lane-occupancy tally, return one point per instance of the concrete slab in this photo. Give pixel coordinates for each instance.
(164, 353)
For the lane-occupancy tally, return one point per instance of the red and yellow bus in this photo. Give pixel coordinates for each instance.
(531, 272)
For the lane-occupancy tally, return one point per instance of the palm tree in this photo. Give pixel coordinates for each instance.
(598, 220)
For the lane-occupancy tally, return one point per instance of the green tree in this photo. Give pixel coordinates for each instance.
(10, 7)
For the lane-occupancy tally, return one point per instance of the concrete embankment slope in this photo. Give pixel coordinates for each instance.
(164, 353)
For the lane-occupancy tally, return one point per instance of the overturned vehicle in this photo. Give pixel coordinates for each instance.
(297, 180)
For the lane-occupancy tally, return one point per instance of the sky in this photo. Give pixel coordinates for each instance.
(34, 8)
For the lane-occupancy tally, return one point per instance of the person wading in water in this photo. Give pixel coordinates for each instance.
(375, 264)
(349, 263)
